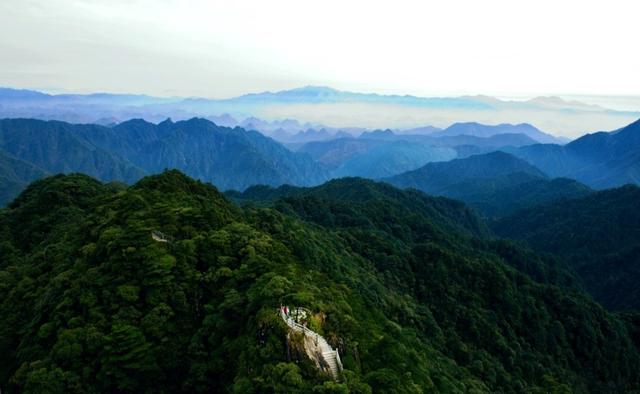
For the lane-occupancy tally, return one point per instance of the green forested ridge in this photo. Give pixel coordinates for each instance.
(598, 235)
(59, 147)
(135, 148)
(405, 286)
(343, 199)
(496, 183)
(15, 175)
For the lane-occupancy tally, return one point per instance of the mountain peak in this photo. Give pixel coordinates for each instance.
(560, 103)
(378, 134)
(10, 93)
(488, 165)
(309, 91)
(136, 122)
(633, 127)
(315, 89)
(483, 130)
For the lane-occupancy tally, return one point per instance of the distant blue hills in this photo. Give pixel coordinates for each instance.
(480, 130)
(521, 164)
(322, 94)
(602, 160)
(229, 158)
(496, 184)
(315, 107)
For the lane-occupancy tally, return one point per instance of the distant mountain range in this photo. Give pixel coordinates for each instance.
(480, 130)
(391, 158)
(601, 160)
(289, 130)
(235, 158)
(229, 158)
(437, 177)
(295, 110)
(495, 183)
(498, 183)
(383, 153)
(373, 158)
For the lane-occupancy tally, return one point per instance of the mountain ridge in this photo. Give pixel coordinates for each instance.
(231, 158)
(334, 104)
(482, 130)
(496, 183)
(597, 235)
(597, 159)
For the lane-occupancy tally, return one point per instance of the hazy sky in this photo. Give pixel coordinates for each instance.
(226, 48)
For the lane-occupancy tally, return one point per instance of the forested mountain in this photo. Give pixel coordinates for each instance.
(15, 175)
(374, 156)
(447, 213)
(237, 158)
(413, 300)
(598, 235)
(392, 158)
(63, 147)
(601, 160)
(383, 153)
(229, 158)
(496, 183)
(441, 175)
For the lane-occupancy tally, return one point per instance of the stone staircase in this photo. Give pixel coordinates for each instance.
(160, 237)
(317, 348)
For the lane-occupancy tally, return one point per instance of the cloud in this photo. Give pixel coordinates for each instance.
(216, 48)
(560, 123)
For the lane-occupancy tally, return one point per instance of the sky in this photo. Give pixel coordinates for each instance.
(221, 49)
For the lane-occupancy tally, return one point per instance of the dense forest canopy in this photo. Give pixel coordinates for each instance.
(597, 235)
(408, 287)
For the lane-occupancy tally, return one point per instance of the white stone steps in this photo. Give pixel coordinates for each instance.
(329, 355)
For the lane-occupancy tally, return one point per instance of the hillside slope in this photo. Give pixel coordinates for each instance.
(384, 153)
(600, 160)
(496, 184)
(229, 158)
(91, 303)
(15, 175)
(374, 156)
(597, 235)
(59, 147)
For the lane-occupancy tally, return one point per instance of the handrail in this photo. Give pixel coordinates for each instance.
(299, 327)
(338, 361)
